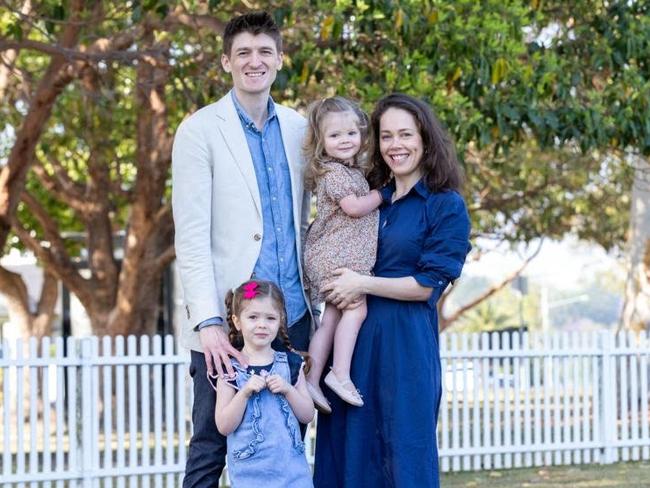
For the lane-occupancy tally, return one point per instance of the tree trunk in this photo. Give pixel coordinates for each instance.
(36, 323)
(636, 312)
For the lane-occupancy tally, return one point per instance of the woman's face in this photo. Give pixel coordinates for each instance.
(400, 143)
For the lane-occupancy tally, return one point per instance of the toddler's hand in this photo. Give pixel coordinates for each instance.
(276, 384)
(255, 384)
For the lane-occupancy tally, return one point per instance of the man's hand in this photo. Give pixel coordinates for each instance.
(218, 350)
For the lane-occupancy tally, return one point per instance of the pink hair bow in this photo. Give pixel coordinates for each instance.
(250, 290)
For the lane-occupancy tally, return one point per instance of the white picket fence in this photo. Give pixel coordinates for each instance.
(117, 412)
(532, 400)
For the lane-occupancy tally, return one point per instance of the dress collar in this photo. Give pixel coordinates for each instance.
(420, 188)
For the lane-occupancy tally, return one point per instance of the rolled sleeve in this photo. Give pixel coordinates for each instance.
(446, 244)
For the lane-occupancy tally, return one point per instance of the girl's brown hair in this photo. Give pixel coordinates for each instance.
(313, 147)
(440, 167)
(235, 301)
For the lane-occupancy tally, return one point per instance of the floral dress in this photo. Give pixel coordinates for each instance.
(334, 239)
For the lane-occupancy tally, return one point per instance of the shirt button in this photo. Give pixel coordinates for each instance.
(440, 282)
(278, 229)
(257, 237)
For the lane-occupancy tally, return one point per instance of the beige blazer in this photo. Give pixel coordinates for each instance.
(217, 208)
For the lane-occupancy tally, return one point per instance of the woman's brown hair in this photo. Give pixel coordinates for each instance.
(440, 168)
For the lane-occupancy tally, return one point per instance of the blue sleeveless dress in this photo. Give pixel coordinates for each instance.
(391, 440)
(267, 450)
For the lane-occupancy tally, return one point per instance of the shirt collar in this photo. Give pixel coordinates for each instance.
(420, 188)
(241, 111)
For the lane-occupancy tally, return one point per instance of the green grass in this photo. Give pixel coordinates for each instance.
(620, 475)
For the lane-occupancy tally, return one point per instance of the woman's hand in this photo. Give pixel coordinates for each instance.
(346, 289)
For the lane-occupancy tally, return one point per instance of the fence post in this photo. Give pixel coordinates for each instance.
(608, 398)
(87, 414)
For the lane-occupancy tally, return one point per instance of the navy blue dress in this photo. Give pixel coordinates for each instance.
(391, 440)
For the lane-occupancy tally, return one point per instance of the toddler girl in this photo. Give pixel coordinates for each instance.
(344, 235)
(259, 409)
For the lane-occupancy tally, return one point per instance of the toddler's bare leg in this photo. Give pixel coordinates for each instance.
(345, 339)
(321, 343)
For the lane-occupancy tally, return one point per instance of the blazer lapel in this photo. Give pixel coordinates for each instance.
(235, 139)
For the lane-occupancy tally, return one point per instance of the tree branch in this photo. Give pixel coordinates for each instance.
(63, 188)
(448, 320)
(180, 17)
(165, 258)
(12, 176)
(8, 58)
(80, 55)
(54, 254)
(13, 286)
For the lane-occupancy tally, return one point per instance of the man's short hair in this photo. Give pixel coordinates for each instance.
(254, 23)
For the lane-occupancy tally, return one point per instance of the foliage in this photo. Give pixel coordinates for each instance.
(505, 309)
(542, 98)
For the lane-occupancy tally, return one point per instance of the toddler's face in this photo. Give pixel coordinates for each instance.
(258, 322)
(341, 135)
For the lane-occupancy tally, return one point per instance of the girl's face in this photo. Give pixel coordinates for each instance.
(341, 136)
(400, 143)
(259, 322)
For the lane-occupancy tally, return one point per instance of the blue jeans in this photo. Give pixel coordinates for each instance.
(207, 454)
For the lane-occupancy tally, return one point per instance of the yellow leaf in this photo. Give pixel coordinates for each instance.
(399, 18)
(433, 17)
(499, 70)
(304, 74)
(327, 28)
(457, 74)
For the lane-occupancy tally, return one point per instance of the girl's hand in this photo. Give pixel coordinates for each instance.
(255, 384)
(346, 288)
(277, 384)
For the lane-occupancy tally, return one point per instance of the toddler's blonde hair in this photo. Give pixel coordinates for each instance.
(313, 147)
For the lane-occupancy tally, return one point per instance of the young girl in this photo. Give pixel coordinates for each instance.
(259, 409)
(344, 235)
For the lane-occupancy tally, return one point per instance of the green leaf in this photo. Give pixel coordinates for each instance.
(15, 30)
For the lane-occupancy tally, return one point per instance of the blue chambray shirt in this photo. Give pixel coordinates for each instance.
(278, 259)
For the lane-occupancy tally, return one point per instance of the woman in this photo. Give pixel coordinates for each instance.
(423, 241)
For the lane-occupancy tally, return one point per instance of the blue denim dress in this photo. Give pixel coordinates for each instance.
(267, 449)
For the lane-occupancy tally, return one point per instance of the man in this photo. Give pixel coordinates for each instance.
(239, 211)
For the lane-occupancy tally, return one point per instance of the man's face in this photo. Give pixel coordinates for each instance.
(253, 61)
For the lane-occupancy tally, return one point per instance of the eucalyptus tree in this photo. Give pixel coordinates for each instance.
(544, 99)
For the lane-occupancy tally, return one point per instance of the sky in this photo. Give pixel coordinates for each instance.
(559, 264)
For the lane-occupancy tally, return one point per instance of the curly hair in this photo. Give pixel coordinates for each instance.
(313, 147)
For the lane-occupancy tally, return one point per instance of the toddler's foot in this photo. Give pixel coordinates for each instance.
(319, 399)
(344, 389)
